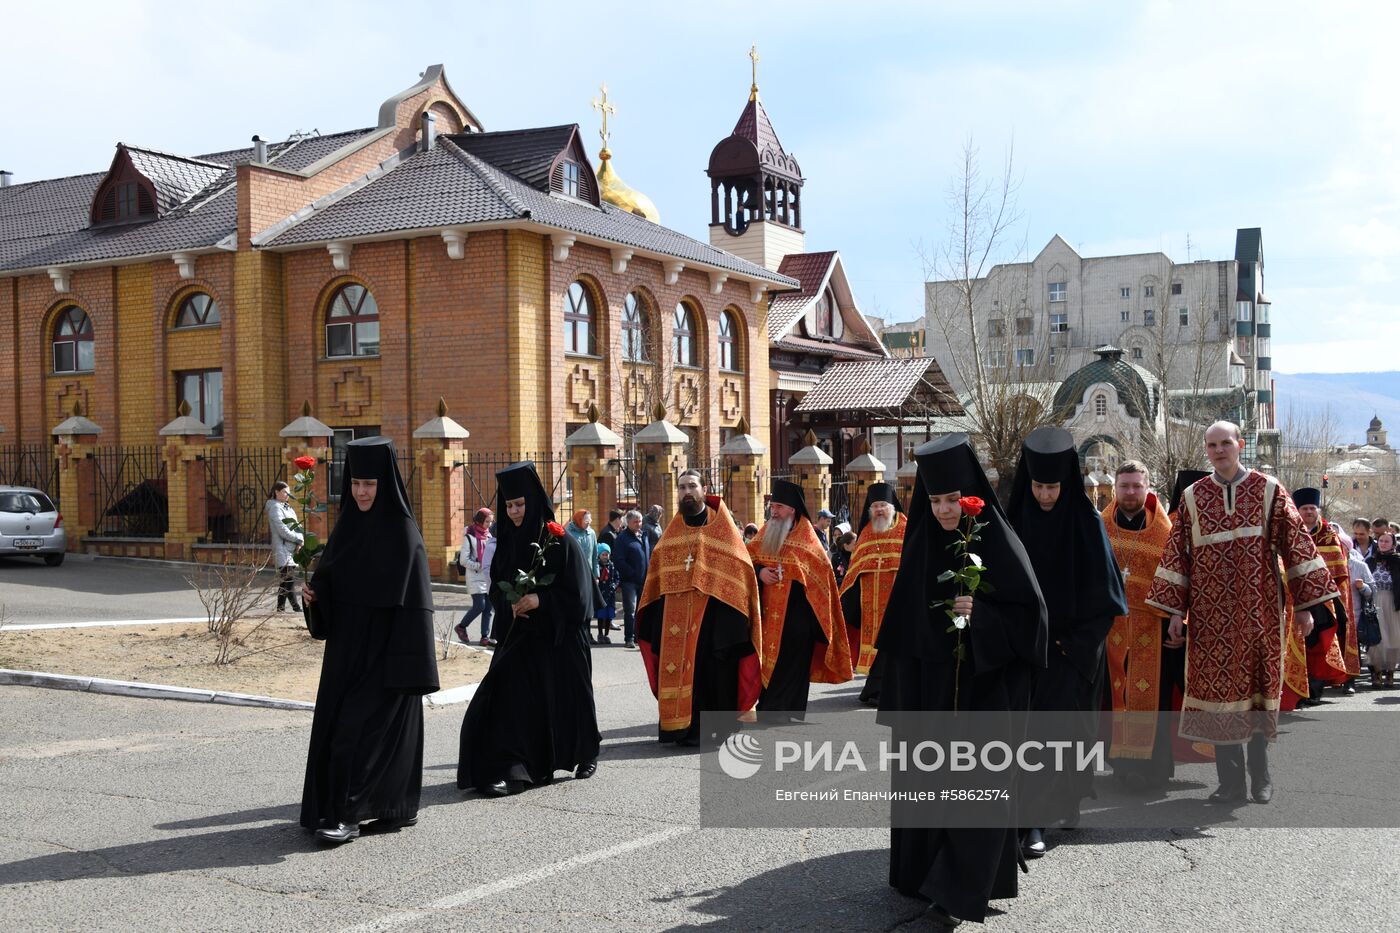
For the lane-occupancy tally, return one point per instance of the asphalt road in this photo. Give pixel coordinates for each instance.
(158, 815)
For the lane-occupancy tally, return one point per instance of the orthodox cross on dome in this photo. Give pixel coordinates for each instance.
(606, 108)
(753, 57)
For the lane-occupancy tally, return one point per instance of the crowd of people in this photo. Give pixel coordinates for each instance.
(1229, 603)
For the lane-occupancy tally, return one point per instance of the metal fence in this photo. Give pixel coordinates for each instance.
(238, 483)
(713, 473)
(129, 492)
(30, 465)
(840, 502)
(480, 480)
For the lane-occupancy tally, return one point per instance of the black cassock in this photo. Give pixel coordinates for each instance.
(791, 681)
(959, 869)
(372, 588)
(1083, 590)
(724, 641)
(533, 713)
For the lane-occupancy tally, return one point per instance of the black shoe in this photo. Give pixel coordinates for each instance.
(498, 789)
(1262, 790)
(586, 771)
(281, 605)
(1349, 690)
(1227, 796)
(339, 833)
(1033, 843)
(630, 645)
(392, 824)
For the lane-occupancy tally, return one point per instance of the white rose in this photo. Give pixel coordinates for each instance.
(960, 622)
(976, 561)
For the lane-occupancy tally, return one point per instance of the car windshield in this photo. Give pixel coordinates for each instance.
(18, 502)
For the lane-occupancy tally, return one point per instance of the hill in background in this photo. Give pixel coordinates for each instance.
(1352, 397)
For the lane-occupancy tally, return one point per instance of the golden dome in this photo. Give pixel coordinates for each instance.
(616, 192)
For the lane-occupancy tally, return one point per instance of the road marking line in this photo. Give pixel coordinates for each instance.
(481, 892)
(104, 623)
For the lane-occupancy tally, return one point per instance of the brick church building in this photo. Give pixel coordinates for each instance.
(371, 272)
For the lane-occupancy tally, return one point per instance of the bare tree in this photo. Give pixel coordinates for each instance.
(1000, 351)
(1309, 439)
(231, 594)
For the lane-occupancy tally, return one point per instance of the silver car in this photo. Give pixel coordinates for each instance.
(30, 525)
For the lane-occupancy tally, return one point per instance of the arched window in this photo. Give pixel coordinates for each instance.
(729, 342)
(72, 342)
(352, 324)
(197, 310)
(683, 337)
(1100, 404)
(578, 320)
(634, 329)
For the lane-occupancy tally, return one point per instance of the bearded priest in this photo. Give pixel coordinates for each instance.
(866, 589)
(804, 637)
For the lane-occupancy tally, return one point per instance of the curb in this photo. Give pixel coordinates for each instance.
(128, 688)
(185, 565)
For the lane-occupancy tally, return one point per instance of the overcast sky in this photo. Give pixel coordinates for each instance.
(1135, 125)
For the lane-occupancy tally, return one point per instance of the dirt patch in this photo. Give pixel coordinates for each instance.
(287, 662)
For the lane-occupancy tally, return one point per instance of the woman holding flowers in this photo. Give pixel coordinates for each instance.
(533, 713)
(372, 596)
(1083, 588)
(964, 631)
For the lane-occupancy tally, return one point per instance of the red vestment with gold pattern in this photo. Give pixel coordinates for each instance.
(874, 563)
(1220, 567)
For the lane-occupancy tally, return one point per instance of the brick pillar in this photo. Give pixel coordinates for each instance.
(440, 444)
(185, 485)
(905, 479)
(77, 475)
(308, 437)
(862, 473)
(811, 468)
(661, 458)
(593, 466)
(743, 459)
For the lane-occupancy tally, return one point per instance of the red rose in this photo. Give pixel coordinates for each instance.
(304, 463)
(555, 529)
(972, 505)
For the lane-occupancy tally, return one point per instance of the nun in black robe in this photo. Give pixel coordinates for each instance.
(533, 713)
(372, 590)
(850, 600)
(1083, 589)
(958, 869)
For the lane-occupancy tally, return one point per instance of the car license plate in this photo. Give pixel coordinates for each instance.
(27, 542)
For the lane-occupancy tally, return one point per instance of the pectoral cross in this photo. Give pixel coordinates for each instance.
(689, 559)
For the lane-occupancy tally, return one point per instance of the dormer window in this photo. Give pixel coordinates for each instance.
(125, 201)
(570, 183)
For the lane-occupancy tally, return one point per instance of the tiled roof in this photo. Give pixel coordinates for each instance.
(809, 269)
(176, 178)
(452, 187)
(836, 350)
(526, 154)
(755, 126)
(881, 385)
(45, 223)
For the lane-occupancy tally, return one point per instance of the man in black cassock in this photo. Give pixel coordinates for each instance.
(698, 621)
(804, 637)
(373, 593)
(533, 713)
(957, 869)
(1083, 588)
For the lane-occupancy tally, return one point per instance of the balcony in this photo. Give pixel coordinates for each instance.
(1264, 364)
(1244, 328)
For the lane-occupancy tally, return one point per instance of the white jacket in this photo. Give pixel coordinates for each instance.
(285, 541)
(478, 575)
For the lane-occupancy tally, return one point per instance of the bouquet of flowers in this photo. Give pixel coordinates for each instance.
(967, 577)
(527, 581)
(304, 492)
